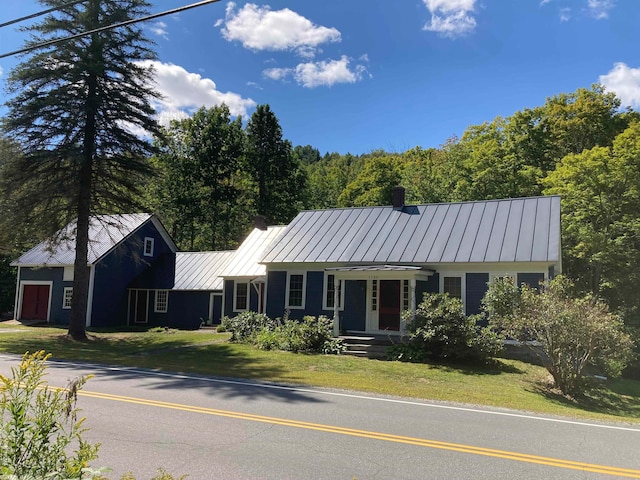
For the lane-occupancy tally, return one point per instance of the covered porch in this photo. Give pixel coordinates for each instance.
(385, 292)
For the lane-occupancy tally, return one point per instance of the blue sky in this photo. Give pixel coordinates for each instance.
(358, 75)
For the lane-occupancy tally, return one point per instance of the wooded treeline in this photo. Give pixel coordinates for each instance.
(215, 173)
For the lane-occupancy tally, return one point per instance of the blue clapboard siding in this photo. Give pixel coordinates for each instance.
(115, 272)
(276, 286)
(476, 287)
(186, 309)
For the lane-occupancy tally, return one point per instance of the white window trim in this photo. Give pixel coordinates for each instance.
(157, 305)
(463, 286)
(64, 298)
(304, 289)
(148, 241)
(325, 289)
(236, 307)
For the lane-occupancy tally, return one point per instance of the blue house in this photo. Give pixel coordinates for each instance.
(364, 266)
(121, 249)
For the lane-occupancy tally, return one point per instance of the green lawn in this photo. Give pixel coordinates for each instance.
(508, 383)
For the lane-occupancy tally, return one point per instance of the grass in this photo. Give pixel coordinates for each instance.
(505, 383)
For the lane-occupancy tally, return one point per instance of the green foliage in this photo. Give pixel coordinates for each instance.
(373, 184)
(309, 335)
(600, 191)
(573, 332)
(442, 331)
(200, 187)
(407, 352)
(7, 284)
(40, 425)
(278, 178)
(245, 325)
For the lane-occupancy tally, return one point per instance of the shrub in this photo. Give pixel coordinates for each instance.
(245, 325)
(442, 331)
(309, 335)
(573, 332)
(40, 424)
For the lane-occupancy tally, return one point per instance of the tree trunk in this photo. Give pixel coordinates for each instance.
(79, 302)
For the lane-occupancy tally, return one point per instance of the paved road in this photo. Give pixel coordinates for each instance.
(218, 428)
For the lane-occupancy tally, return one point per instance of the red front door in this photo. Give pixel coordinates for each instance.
(35, 302)
(389, 314)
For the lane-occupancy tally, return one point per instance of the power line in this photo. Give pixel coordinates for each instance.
(108, 27)
(44, 12)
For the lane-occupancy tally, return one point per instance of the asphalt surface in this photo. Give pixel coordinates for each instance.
(232, 429)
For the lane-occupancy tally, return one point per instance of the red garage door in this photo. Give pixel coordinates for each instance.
(35, 302)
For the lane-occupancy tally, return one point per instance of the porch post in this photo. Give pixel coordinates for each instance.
(412, 302)
(336, 306)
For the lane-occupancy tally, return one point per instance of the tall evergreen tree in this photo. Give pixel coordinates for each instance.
(74, 109)
(279, 179)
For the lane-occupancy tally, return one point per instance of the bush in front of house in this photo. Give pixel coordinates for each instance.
(440, 330)
(245, 326)
(313, 335)
(574, 333)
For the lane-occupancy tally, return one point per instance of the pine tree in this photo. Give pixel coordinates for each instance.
(74, 111)
(280, 181)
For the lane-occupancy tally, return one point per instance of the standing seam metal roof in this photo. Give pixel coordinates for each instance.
(511, 230)
(105, 232)
(200, 270)
(244, 262)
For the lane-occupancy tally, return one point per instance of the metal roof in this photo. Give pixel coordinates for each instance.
(511, 230)
(200, 270)
(245, 259)
(375, 268)
(105, 232)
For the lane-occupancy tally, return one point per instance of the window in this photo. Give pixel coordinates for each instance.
(405, 294)
(452, 286)
(162, 301)
(374, 295)
(148, 246)
(67, 296)
(295, 290)
(510, 276)
(240, 296)
(329, 292)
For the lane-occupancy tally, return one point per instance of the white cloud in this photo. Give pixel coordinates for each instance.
(320, 74)
(160, 29)
(624, 81)
(1, 72)
(599, 9)
(184, 92)
(451, 18)
(260, 28)
(565, 14)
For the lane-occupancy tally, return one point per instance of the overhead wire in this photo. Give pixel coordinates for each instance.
(108, 27)
(43, 12)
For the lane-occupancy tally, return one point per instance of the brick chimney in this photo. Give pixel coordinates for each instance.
(260, 222)
(397, 198)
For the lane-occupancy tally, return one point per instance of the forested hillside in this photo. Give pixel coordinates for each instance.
(215, 173)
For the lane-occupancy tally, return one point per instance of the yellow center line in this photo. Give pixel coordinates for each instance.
(521, 457)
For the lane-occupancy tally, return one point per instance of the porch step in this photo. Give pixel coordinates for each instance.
(366, 346)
